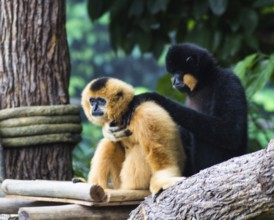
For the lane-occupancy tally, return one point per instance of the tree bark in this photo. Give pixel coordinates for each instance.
(240, 188)
(34, 70)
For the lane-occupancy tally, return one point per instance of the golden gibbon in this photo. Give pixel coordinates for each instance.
(150, 156)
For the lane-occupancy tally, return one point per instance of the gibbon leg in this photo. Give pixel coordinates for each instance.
(106, 162)
(166, 168)
(136, 172)
(162, 179)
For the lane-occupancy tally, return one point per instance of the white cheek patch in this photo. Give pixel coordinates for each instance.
(190, 81)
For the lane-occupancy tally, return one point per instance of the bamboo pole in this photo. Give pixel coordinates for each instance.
(75, 212)
(58, 189)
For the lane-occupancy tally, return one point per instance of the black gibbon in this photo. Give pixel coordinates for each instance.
(213, 121)
(151, 156)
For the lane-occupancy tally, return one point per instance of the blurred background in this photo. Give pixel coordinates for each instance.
(128, 39)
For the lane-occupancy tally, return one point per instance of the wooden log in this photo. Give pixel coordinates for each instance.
(36, 120)
(58, 189)
(41, 139)
(240, 188)
(47, 110)
(40, 130)
(75, 212)
(12, 206)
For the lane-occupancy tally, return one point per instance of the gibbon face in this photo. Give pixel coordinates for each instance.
(106, 99)
(187, 63)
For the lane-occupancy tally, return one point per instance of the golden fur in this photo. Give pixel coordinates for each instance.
(190, 81)
(151, 158)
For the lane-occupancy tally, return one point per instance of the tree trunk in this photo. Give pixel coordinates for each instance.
(240, 188)
(34, 70)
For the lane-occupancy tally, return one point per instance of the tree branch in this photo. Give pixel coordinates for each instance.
(240, 188)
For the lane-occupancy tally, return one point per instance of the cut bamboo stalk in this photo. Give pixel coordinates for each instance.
(36, 120)
(58, 189)
(74, 212)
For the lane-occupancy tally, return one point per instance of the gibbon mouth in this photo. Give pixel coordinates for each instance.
(97, 114)
(179, 86)
(182, 87)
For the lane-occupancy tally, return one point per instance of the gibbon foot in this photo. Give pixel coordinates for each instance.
(155, 196)
(168, 183)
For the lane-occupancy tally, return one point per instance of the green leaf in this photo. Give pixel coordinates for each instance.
(140, 90)
(157, 6)
(217, 36)
(136, 8)
(218, 7)
(252, 41)
(263, 3)
(231, 46)
(248, 20)
(164, 87)
(261, 76)
(158, 42)
(96, 8)
(243, 66)
(233, 21)
(119, 9)
(200, 8)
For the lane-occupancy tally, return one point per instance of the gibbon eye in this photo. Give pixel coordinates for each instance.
(188, 59)
(101, 101)
(92, 101)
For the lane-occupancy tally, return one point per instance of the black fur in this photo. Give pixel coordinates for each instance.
(99, 84)
(213, 121)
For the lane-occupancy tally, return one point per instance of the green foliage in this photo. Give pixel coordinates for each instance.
(83, 153)
(229, 29)
(254, 72)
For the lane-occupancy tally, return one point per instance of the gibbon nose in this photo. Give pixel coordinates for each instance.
(177, 80)
(96, 111)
